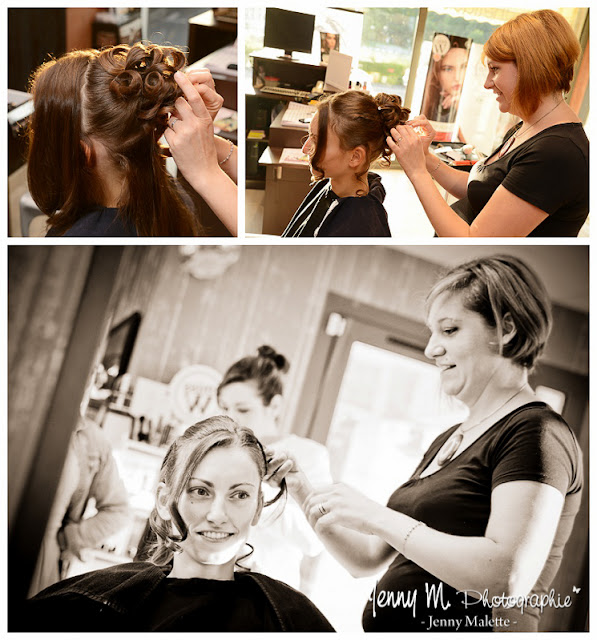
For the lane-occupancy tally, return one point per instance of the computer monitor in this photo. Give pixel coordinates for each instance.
(288, 30)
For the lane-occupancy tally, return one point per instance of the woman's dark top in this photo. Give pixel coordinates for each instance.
(101, 223)
(139, 596)
(531, 443)
(324, 214)
(549, 170)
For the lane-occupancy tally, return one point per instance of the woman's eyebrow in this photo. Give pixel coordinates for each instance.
(210, 484)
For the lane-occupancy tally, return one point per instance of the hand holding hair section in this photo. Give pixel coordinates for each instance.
(197, 151)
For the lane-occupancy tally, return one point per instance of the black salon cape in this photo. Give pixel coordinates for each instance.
(138, 596)
(323, 214)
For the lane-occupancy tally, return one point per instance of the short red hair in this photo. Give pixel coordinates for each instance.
(544, 48)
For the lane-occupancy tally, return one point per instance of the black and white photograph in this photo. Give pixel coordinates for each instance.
(251, 438)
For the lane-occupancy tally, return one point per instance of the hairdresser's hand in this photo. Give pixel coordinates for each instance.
(339, 504)
(409, 149)
(424, 130)
(282, 466)
(203, 82)
(190, 135)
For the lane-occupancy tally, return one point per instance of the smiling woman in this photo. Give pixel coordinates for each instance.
(474, 538)
(208, 498)
(536, 183)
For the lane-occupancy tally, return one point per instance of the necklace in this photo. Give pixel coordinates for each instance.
(514, 137)
(452, 444)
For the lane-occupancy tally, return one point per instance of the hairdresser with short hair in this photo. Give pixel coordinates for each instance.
(536, 183)
(491, 505)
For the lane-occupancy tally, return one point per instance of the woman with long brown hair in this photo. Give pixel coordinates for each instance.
(208, 498)
(95, 165)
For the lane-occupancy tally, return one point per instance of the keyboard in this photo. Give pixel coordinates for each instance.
(298, 115)
(286, 91)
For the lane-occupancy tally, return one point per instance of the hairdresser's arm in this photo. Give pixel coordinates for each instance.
(203, 82)
(504, 215)
(508, 558)
(358, 553)
(227, 157)
(193, 147)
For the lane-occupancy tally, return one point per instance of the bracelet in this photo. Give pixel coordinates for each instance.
(437, 167)
(407, 536)
(229, 153)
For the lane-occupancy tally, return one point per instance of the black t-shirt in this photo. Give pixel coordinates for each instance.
(549, 170)
(207, 605)
(531, 443)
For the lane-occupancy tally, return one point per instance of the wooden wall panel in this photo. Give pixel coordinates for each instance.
(45, 285)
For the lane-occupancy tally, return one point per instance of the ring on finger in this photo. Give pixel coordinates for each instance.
(322, 509)
(172, 121)
(399, 138)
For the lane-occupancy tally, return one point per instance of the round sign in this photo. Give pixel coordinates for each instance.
(193, 393)
(440, 44)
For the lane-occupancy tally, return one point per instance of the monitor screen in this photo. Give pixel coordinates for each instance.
(288, 30)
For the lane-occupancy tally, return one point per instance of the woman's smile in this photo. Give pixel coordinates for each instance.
(215, 536)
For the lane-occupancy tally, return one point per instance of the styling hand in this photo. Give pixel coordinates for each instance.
(190, 135)
(281, 465)
(408, 149)
(203, 82)
(424, 130)
(339, 504)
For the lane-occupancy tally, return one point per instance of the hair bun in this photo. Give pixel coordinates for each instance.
(145, 73)
(278, 359)
(391, 110)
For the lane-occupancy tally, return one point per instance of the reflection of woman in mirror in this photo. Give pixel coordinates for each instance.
(208, 498)
(444, 83)
(251, 393)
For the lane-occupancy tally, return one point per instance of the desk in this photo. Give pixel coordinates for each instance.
(286, 186)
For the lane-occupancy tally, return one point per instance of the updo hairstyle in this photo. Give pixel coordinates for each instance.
(120, 97)
(181, 460)
(502, 286)
(265, 369)
(358, 119)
